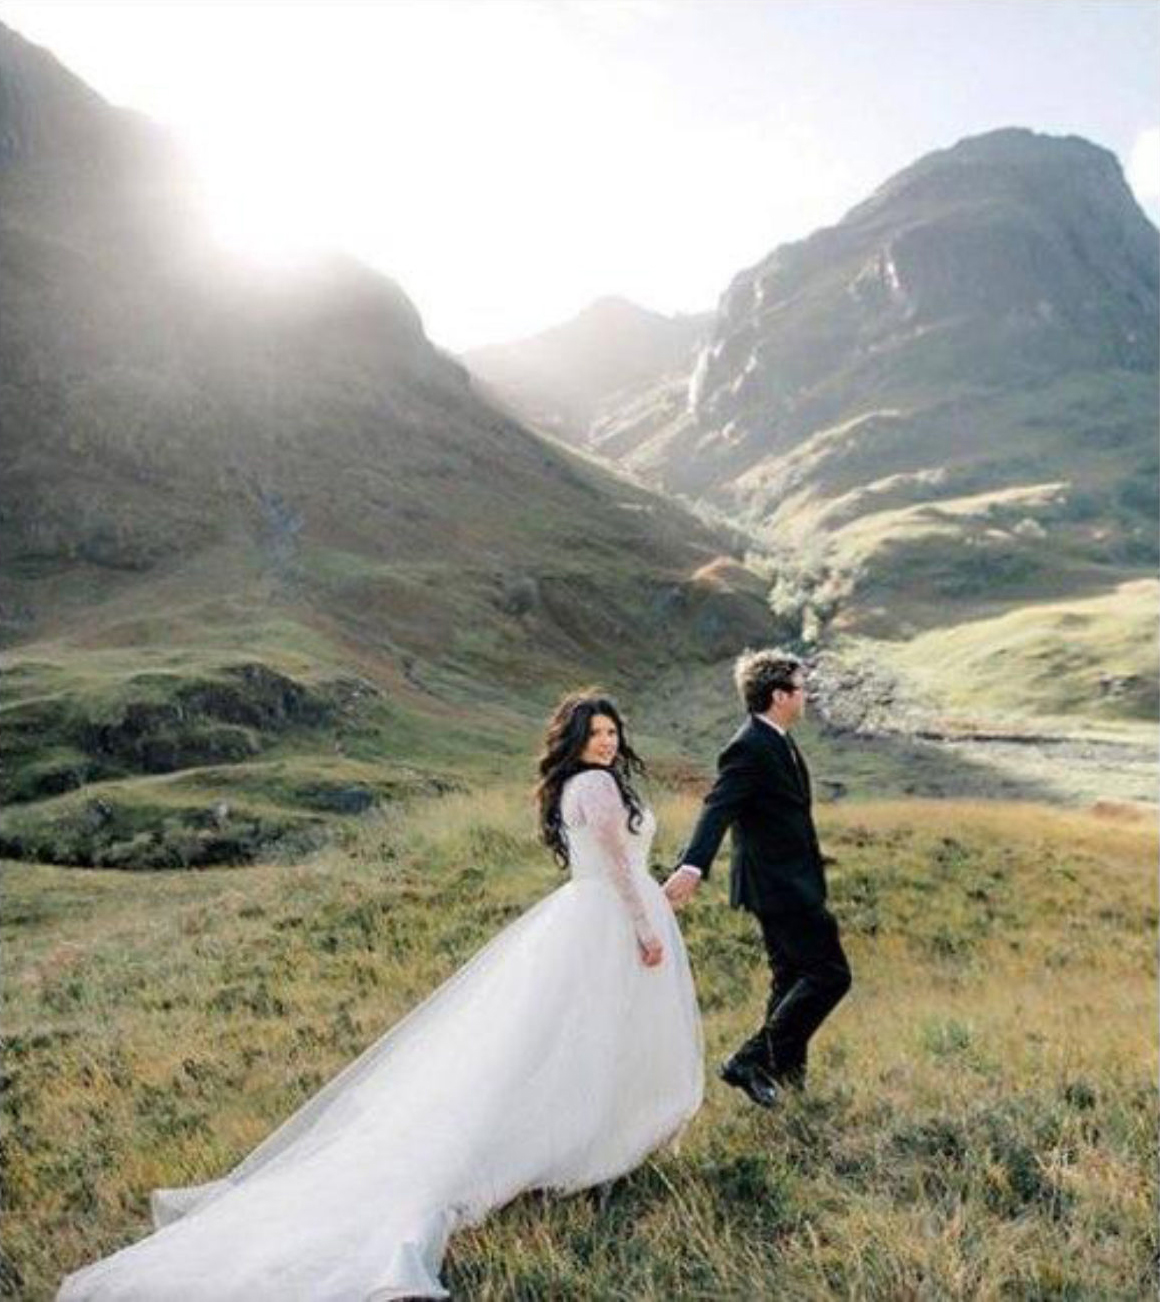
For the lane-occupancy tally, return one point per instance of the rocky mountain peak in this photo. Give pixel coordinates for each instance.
(950, 393)
(1005, 255)
(613, 305)
(1011, 161)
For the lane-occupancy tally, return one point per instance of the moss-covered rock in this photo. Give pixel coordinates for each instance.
(107, 832)
(159, 723)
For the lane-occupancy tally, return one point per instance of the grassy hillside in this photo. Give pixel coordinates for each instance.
(981, 1122)
(1093, 659)
(921, 515)
(145, 707)
(252, 517)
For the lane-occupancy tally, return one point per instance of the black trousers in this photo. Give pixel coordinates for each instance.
(810, 975)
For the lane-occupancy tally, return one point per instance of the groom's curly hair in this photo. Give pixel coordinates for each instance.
(758, 674)
(564, 742)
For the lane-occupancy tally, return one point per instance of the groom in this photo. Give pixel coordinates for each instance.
(763, 791)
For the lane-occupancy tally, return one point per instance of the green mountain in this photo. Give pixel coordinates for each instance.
(952, 392)
(942, 410)
(265, 548)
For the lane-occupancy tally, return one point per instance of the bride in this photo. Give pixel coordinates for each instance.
(558, 1057)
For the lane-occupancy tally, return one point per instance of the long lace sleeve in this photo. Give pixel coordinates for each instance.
(599, 807)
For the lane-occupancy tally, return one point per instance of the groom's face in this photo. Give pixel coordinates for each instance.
(789, 705)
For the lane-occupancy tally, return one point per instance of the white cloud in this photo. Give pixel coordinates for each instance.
(1144, 165)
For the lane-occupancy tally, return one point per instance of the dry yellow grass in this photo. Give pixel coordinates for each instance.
(981, 1121)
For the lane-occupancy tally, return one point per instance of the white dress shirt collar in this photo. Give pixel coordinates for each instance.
(769, 723)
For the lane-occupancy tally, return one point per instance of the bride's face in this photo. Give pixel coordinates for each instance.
(603, 741)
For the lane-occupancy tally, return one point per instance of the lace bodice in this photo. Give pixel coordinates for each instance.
(600, 845)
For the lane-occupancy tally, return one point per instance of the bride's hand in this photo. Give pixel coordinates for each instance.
(651, 951)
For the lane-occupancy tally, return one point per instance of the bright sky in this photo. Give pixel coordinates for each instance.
(508, 161)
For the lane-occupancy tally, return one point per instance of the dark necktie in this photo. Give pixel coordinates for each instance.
(798, 762)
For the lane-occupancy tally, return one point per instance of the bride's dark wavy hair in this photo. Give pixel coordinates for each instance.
(564, 741)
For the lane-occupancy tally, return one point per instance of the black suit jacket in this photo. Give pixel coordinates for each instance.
(765, 796)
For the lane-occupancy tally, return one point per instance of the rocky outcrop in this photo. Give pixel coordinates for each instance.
(161, 723)
(947, 398)
(102, 832)
(1003, 261)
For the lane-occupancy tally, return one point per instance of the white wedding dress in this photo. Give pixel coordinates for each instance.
(554, 1059)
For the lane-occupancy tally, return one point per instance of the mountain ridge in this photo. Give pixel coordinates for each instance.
(983, 322)
(938, 412)
(250, 517)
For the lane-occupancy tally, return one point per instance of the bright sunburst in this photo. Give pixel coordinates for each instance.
(258, 211)
(508, 161)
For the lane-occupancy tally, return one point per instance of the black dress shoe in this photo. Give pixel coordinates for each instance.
(752, 1080)
(793, 1078)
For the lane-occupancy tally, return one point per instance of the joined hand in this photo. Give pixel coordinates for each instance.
(680, 886)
